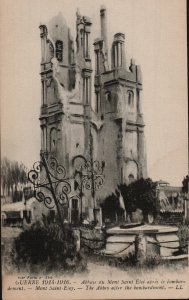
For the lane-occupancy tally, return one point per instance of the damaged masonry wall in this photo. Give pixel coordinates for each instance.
(112, 132)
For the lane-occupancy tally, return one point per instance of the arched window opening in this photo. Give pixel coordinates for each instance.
(53, 139)
(130, 98)
(108, 97)
(131, 178)
(81, 37)
(97, 102)
(74, 204)
(59, 50)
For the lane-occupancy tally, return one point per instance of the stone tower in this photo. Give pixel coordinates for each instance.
(118, 121)
(113, 132)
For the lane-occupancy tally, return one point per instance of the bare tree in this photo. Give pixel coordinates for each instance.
(12, 174)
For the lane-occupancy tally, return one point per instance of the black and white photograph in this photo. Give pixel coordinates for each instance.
(94, 149)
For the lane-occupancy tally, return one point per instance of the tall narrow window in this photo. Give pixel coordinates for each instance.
(97, 102)
(86, 45)
(86, 90)
(117, 47)
(42, 92)
(121, 175)
(45, 138)
(121, 59)
(42, 138)
(72, 56)
(118, 55)
(130, 98)
(115, 55)
(108, 96)
(53, 139)
(138, 102)
(59, 50)
(81, 37)
(74, 203)
(97, 62)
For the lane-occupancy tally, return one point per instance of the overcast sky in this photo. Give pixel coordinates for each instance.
(155, 32)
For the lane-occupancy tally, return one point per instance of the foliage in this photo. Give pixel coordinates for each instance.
(129, 196)
(139, 194)
(111, 206)
(44, 244)
(185, 184)
(12, 173)
(146, 195)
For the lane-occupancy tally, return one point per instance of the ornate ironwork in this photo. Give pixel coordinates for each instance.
(52, 186)
(49, 178)
(90, 173)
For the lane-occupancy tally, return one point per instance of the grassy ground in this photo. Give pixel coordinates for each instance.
(129, 265)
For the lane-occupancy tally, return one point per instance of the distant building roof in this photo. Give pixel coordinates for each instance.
(173, 191)
(18, 206)
(162, 182)
(173, 188)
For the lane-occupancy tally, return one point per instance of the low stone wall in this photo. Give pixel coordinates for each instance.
(170, 218)
(92, 238)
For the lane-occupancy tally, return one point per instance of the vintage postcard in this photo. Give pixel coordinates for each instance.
(94, 149)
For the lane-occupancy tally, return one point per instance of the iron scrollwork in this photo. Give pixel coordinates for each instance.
(50, 178)
(91, 173)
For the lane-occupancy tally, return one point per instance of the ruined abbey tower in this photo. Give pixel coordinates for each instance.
(91, 112)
